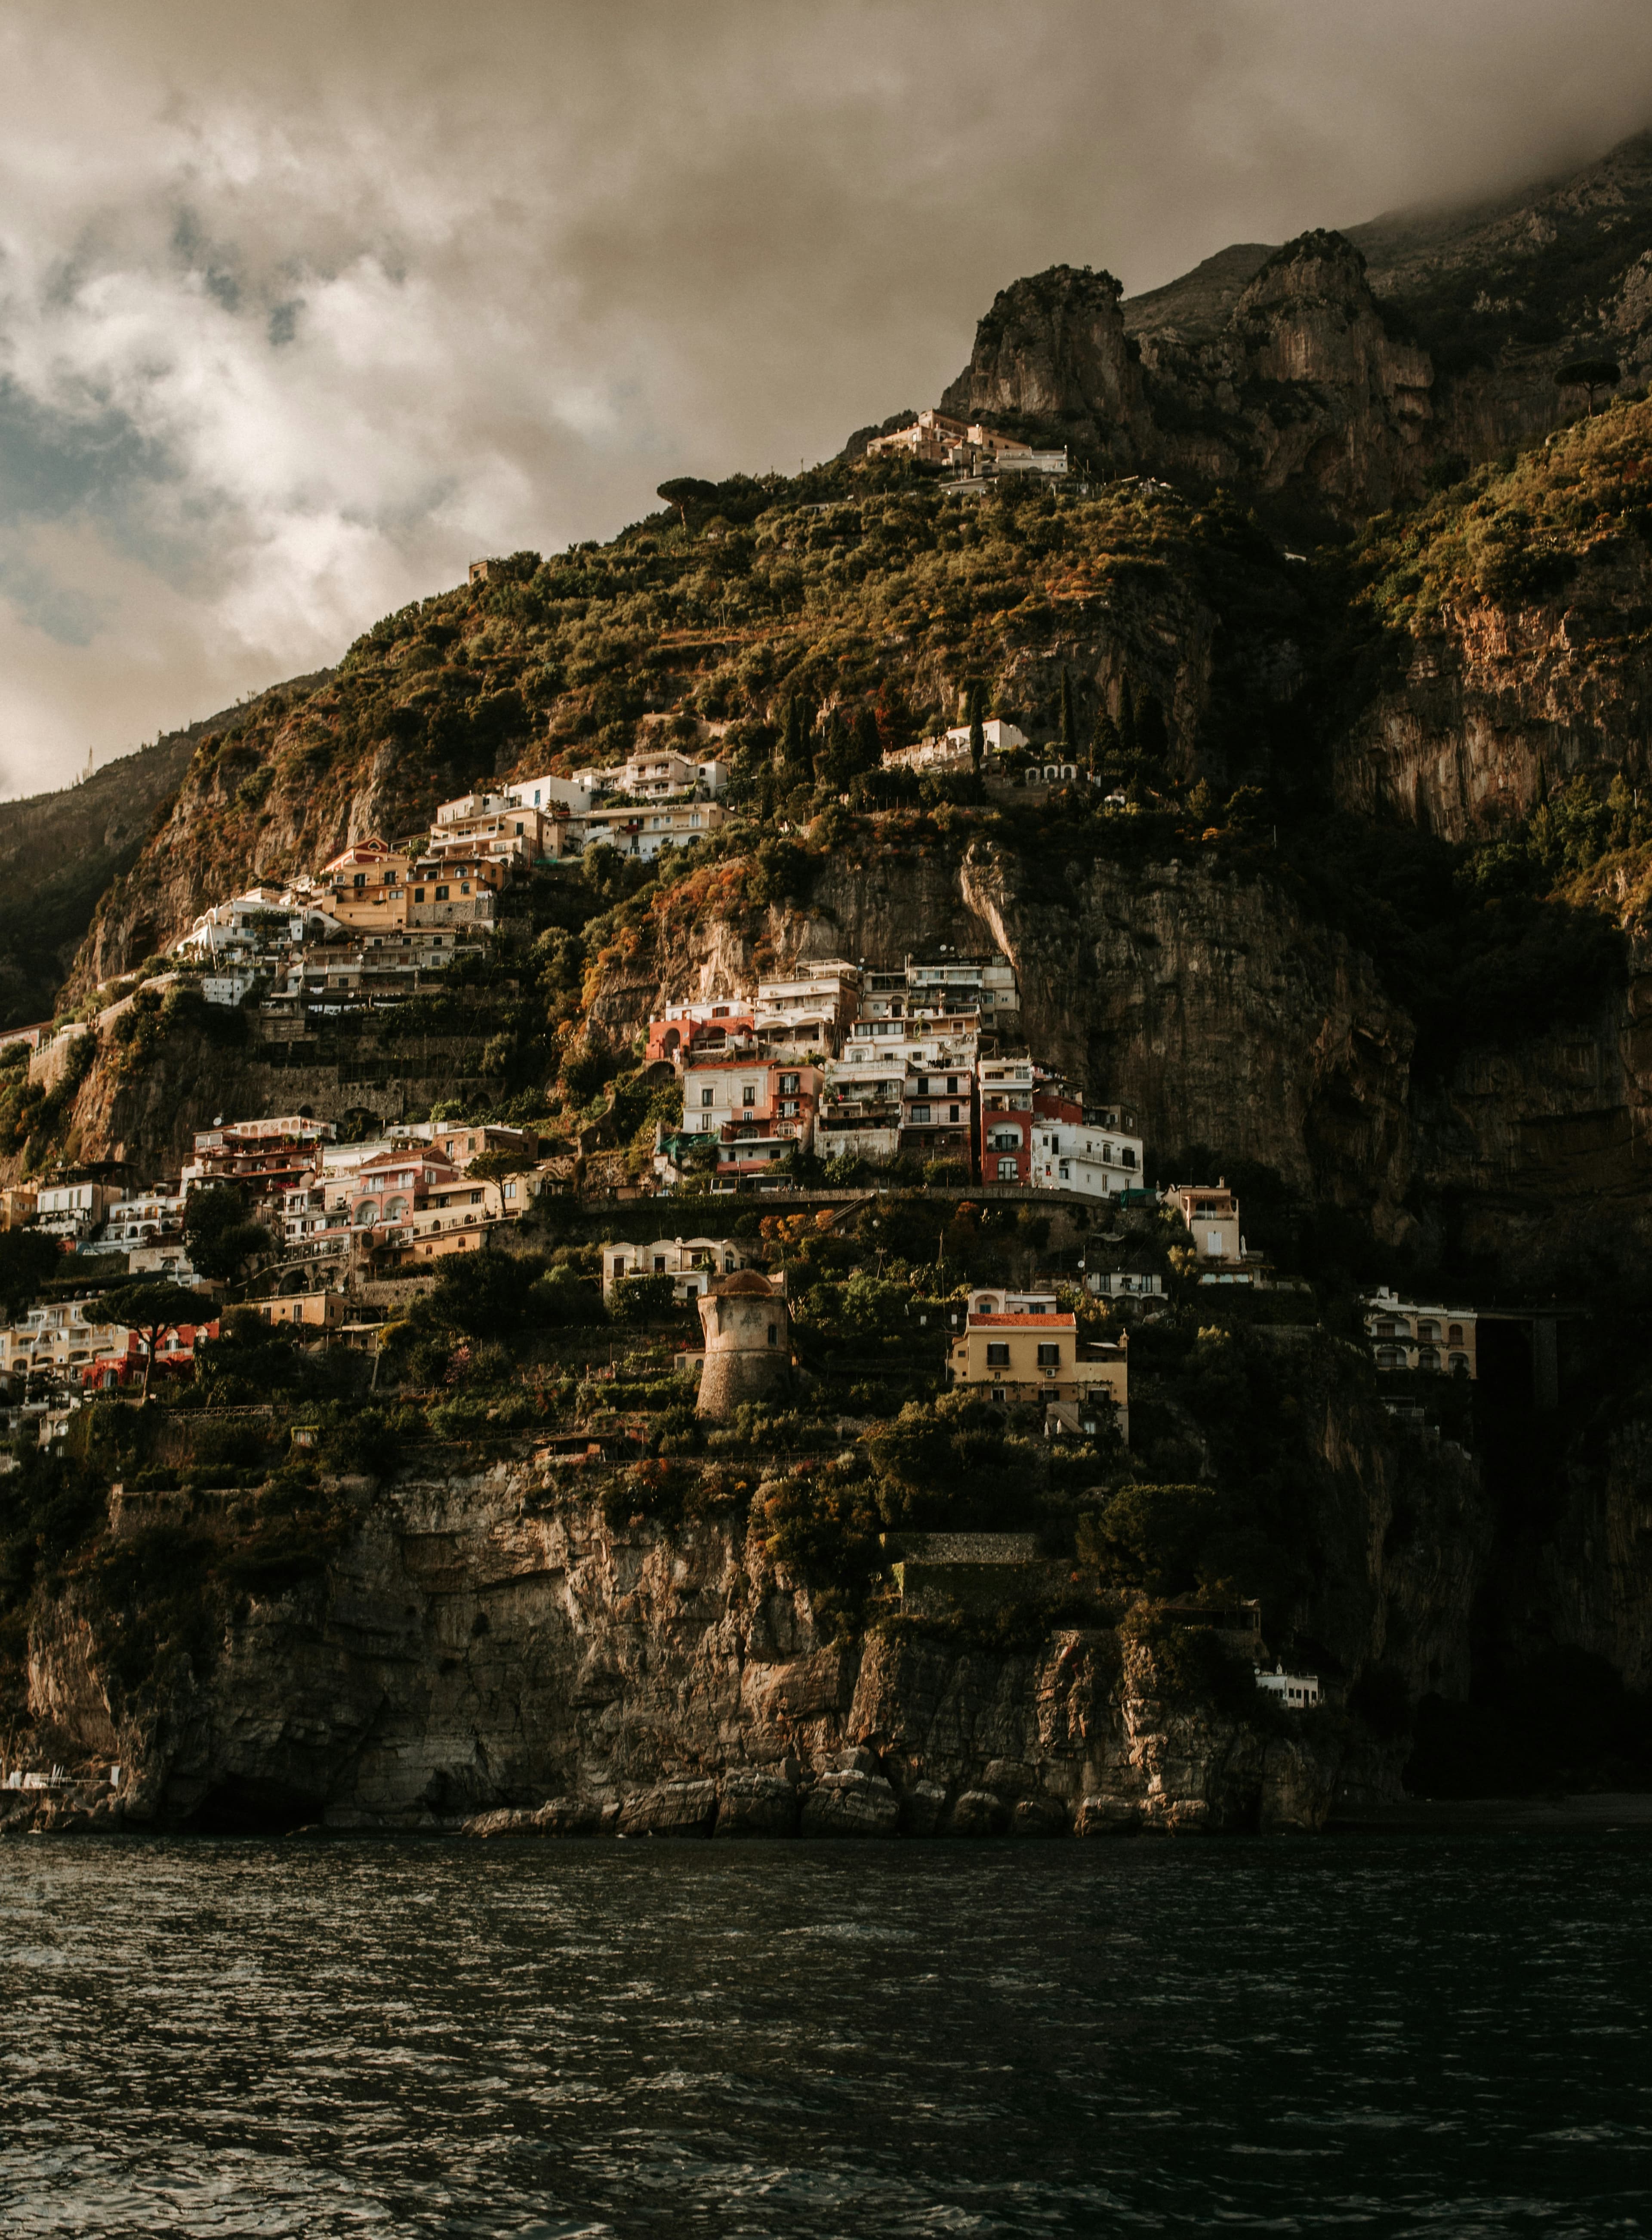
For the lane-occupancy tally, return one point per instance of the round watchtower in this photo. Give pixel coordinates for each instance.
(748, 1343)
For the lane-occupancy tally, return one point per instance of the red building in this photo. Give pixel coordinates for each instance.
(174, 1358)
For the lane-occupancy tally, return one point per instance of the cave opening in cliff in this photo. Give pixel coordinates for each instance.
(248, 1805)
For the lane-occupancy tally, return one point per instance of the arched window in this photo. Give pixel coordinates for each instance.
(367, 1212)
(1459, 1364)
(1427, 1358)
(1426, 1329)
(1454, 1334)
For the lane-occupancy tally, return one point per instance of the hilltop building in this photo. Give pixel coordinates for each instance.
(937, 439)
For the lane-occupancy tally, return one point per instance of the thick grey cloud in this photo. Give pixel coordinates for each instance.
(301, 308)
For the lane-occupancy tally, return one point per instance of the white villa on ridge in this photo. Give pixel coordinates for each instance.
(952, 747)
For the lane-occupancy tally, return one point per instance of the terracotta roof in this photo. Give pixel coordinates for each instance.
(1020, 1322)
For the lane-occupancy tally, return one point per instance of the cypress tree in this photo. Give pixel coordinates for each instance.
(1069, 719)
(978, 728)
(1106, 748)
(1150, 735)
(833, 764)
(869, 753)
(1129, 745)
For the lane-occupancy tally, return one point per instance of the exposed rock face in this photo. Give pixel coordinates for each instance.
(1053, 349)
(1301, 390)
(486, 1648)
(1503, 697)
(149, 1115)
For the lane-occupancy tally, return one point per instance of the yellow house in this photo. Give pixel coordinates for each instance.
(367, 887)
(1211, 1212)
(1039, 1358)
(305, 1309)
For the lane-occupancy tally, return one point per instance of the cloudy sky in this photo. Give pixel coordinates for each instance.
(301, 307)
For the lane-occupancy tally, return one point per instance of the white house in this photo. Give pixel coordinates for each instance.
(575, 794)
(73, 1208)
(643, 831)
(1297, 1691)
(952, 746)
(690, 1261)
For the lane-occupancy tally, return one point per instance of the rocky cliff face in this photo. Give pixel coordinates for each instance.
(485, 1642)
(1503, 697)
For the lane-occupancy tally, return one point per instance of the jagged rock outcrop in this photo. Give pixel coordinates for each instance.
(1053, 351)
(1303, 390)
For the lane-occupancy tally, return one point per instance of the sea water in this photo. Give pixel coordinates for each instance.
(1385, 2034)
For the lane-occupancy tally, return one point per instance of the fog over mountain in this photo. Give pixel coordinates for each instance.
(297, 314)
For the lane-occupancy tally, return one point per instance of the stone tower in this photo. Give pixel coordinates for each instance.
(748, 1343)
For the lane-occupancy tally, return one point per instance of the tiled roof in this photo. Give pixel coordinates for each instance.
(1019, 1322)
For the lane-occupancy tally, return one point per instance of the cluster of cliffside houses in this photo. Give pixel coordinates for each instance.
(920, 1072)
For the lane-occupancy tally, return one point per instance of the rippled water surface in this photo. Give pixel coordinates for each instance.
(1395, 2035)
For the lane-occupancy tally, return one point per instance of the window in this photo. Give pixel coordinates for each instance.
(1427, 1358)
(1454, 1334)
(1428, 1328)
(1066, 1172)
(441, 894)
(1127, 1157)
(789, 1084)
(1459, 1364)
(747, 1097)
(705, 1100)
(519, 828)
(659, 1263)
(920, 1115)
(773, 1334)
(997, 1353)
(1006, 1171)
(1049, 1357)
(953, 1113)
(952, 1088)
